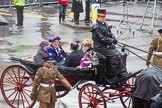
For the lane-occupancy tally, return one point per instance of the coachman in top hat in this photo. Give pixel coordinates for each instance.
(104, 43)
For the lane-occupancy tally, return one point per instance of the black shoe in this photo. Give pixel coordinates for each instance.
(19, 25)
(60, 21)
(77, 23)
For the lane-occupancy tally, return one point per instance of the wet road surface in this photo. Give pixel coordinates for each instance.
(41, 23)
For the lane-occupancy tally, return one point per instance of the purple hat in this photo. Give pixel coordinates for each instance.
(54, 38)
(43, 43)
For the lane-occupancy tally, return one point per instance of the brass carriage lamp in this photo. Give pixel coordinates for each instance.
(95, 60)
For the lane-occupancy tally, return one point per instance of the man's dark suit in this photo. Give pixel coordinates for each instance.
(73, 59)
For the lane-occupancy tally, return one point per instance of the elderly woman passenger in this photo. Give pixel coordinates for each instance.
(57, 52)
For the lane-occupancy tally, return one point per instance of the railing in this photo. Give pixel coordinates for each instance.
(9, 3)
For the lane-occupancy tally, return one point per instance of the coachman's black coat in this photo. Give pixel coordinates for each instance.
(104, 43)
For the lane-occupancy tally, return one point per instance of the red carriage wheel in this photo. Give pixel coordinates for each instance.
(127, 92)
(16, 86)
(91, 97)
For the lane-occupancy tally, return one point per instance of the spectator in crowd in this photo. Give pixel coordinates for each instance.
(43, 46)
(62, 9)
(77, 8)
(55, 49)
(19, 5)
(43, 87)
(156, 48)
(73, 59)
(87, 13)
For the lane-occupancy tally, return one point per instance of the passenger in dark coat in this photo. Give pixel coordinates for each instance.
(77, 8)
(73, 59)
(104, 43)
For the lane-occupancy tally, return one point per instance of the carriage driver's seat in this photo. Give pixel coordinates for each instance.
(105, 73)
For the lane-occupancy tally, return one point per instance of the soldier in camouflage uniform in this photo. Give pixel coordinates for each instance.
(43, 88)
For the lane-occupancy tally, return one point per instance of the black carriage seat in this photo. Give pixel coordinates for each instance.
(104, 75)
(80, 73)
(29, 65)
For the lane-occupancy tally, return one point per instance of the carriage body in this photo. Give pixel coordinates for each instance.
(17, 81)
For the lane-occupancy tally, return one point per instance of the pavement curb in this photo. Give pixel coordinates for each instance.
(71, 24)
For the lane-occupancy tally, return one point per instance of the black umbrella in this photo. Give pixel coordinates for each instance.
(3, 21)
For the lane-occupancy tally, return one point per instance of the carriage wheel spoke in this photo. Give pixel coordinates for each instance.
(22, 78)
(28, 90)
(18, 99)
(25, 97)
(86, 98)
(14, 98)
(22, 100)
(11, 94)
(14, 74)
(126, 100)
(9, 80)
(6, 85)
(9, 89)
(19, 73)
(31, 84)
(11, 77)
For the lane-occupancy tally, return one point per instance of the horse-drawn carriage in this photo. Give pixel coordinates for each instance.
(17, 81)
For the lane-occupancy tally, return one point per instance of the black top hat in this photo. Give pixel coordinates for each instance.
(101, 12)
(160, 30)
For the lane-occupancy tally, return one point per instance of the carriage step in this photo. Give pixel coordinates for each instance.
(112, 95)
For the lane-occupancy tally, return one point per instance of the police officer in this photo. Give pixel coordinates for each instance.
(19, 5)
(104, 43)
(43, 87)
(156, 48)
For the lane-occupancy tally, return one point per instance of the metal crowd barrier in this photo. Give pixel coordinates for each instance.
(9, 3)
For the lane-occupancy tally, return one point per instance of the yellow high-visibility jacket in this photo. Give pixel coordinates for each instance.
(19, 2)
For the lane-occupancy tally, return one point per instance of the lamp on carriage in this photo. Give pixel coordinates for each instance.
(95, 62)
